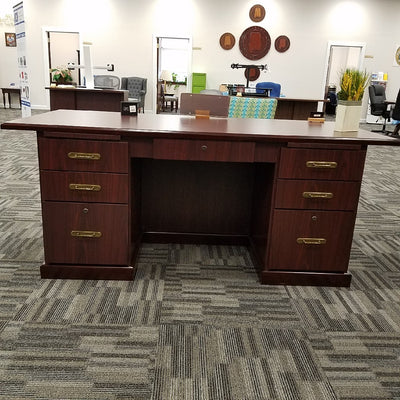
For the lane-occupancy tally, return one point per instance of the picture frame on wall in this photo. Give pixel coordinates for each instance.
(11, 40)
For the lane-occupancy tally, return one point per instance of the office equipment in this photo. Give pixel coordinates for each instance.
(379, 107)
(287, 189)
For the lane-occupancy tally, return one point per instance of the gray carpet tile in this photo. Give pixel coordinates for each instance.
(195, 323)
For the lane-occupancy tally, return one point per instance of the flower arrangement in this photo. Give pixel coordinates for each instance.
(61, 75)
(352, 84)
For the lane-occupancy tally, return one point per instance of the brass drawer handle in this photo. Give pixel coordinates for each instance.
(317, 195)
(84, 156)
(85, 187)
(321, 164)
(85, 234)
(204, 147)
(312, 241)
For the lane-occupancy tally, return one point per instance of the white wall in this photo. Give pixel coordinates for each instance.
(122, 33)
(8, 55)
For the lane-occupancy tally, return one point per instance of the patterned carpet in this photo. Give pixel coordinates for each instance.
(196, 324)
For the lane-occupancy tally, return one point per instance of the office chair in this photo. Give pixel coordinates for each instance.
(106, 81)
(275, 88)
(396, 115)
(379, 107)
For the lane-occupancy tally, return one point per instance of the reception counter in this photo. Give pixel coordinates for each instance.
(73, 98)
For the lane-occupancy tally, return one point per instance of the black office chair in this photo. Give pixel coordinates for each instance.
(379, 107)
(396, 115)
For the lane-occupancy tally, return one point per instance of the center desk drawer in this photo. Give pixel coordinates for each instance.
(84, 186)
(317, 195)
(85, 233)
(322, 164)
(83, 155)
(203, 150)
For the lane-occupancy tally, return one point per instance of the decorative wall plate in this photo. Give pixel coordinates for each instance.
(255, 43)
(282, 43)
(257, 13)
(252, 73)
(227, 41)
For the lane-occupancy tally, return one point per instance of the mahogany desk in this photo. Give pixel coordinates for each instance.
(287, 189)
(73, 98)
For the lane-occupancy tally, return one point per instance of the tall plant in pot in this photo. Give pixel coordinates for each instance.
(348, 111)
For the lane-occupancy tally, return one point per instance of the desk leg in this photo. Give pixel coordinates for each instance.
(9, 100)
(4, 100)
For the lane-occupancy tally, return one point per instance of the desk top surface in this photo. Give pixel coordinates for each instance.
(84, 89)
(10, 89)
(179, 126)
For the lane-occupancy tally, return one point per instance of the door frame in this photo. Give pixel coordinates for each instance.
(156, 59)
(333, 43)
(46, 61)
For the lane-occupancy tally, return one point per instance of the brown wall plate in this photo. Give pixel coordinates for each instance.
(282, 43)
(255, 43)
(257, 13)
(252, 73)
(227, 41)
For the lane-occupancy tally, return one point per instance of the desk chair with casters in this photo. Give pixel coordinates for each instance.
(396, 116)
(274, 88)
(106, 81)
(379, 107)
(137, 89)
(170, 99)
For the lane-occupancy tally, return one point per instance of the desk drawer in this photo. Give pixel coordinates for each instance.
(85, 233)
(311, 240)
(83, 155)
(84, 186)
(322, 164)
(203, 150)
(317, 195)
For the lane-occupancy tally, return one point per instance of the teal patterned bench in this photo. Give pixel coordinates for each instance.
(252, 107)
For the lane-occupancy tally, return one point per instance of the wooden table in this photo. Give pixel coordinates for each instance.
(287, 189)
(9, 91)
(73, 98)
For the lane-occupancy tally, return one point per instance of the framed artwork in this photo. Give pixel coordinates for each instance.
(254, 43)
(11, 40)
(257, 13)
(282, 43)
(227, 41)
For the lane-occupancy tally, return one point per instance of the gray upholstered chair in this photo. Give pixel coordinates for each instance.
(106, 81)
(137, 88)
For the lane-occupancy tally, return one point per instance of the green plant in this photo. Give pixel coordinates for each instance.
(61, 75)
(352, 84)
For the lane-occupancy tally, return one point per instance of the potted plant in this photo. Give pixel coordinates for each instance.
(348, 111)
(61, 75)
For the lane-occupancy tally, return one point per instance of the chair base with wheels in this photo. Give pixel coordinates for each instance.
(379, 106)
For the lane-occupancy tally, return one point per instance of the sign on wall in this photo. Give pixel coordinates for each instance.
(19, 23)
